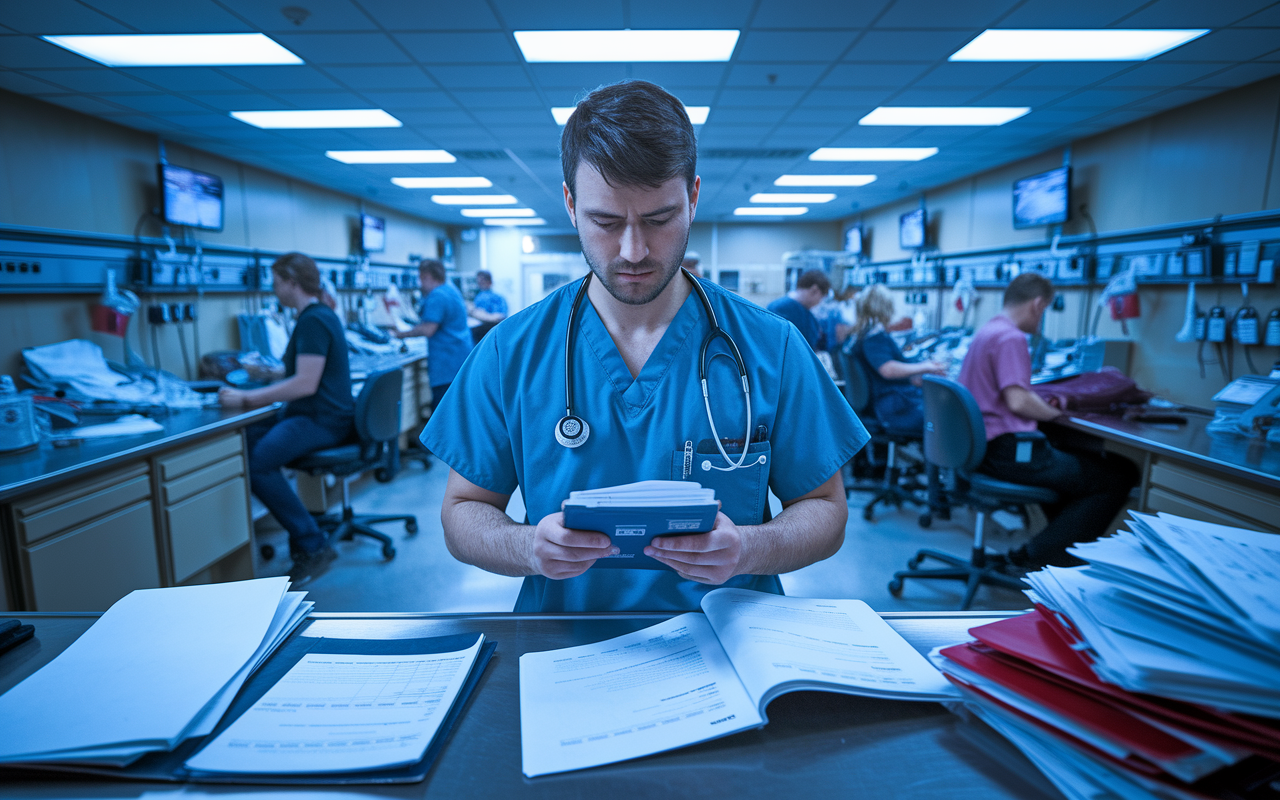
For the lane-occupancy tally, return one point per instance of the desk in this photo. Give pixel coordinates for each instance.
(1191, 472)
(817, 744)
(83, 525)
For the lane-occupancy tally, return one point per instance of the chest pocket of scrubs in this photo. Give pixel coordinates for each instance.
(743, 493)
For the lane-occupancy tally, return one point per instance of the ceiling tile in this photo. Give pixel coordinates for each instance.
(82, 103)
(389, 138)
(1194, 13)
(462, 137)
(24, 52)
(783, 75)
(1069, 75)
(1267, 18)
(845, 98)
(396, 15)
(143, 122)
(24, 84)
(382, 77)
(203, 122)
(586, 76)
(871, 74)
(899, 46)
(934, 97)
(1241, 75)
(976, 14)
(298, 78)
(499, 99)
(721, 115)
(527, 117)
(806, 136)
(185, 79)
(91, 80)
(157, 103)
(843, 115)
(1033, 98)
(400, 100)
(692, 14)
(344, 48)
(1239, 44)
(563, 15)
(58, 17)
(1164, 74)
(322, 100)
(811, 14)
(1103, 99)
(423, 120)
(680, 75)
(188, 16)
(1076, 14)
(761, 98)
(820, 46)
(981, 75)
(325, 15)
(460, 48)
(1174, 98)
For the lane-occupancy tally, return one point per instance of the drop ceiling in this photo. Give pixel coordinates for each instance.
(802, 75)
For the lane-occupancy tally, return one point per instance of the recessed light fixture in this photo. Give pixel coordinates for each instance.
(943, 115)
(443, 183)
(824, 180)
(629, 45)
(697, 114)
(473, 199)
(515, 222)
(770, 211)
(801, 197)
(329, 118)
(391, 156)
(177, 49)
(498, 212)
(1073, 45)
(872, 153)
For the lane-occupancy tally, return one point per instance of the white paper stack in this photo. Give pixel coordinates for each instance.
(160, 666)
(644, 494)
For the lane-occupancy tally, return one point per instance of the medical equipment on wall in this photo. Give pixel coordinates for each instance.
(573, 431)
(1121, 297)
(1188, 331)
(1272, 339)
(17, 418)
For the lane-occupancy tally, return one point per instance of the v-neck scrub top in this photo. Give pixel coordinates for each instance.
(496, 428)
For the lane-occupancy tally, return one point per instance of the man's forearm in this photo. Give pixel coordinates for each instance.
(479, 534)
(805, 532)
(487, 316)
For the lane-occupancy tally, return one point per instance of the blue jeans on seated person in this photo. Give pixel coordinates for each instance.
(274, 443)
(901, 411)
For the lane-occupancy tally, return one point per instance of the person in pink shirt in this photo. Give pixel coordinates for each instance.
(997, 371)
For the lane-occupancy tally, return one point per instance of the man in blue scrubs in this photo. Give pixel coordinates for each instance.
(630, 186)
(488, 307)
(796, 306)
(443, 320)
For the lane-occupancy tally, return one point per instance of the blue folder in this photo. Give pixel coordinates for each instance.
(631, 528)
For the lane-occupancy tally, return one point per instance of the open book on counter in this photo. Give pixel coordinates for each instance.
(700, 676)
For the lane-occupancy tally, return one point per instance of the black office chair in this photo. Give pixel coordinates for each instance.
(377, 426)
(955, 438)
(896, 488)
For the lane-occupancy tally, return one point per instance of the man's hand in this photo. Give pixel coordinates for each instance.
(560, 552)
(713, 557)
(232, 398)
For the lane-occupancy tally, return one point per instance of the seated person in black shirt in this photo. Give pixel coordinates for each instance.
(319, 410)
(895, 382)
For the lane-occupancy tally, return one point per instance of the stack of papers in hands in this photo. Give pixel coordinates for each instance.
(159, 667)
(1152, 671)
(632, 514)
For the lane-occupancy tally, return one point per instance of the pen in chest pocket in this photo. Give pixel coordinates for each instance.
(688, 458)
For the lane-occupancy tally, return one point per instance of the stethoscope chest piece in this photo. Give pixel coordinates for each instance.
(572, 431)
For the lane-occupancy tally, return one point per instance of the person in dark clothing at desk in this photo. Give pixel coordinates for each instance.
(797, 306)
(895, 382)
(319, 410)
(997, 370)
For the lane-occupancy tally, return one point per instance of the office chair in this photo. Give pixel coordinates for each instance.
(955, 438)
(377, 426)
(894, 490)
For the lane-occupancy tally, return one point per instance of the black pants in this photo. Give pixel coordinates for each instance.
(1092, 487)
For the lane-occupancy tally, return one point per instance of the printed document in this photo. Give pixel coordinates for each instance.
(343, 713)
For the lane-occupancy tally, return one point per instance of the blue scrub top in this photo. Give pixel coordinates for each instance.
(490, 301)
(496, 428)
(448, 347)
(794, 312)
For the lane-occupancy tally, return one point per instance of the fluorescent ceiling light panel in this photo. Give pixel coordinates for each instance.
(473, 199)
(391, 156)
(697, 114)
(443, 183)
(488, 213)
(943, 115)
(331, 118)
(177, 49)
(1073, 45)
(515, 222)
(802, 197)
(770, 211)
(632, 46)
(872, 153)
(824, 180)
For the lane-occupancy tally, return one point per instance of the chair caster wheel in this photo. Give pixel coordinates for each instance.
(914, 562)
(925, 520)
(868, 513)
(268, 552)
(411, 527)
(388, 552)
(383, 475)
(895, 587)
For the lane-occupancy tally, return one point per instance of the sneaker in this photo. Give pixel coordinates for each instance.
(308, 566)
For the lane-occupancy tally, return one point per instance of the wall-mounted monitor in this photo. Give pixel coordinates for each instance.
(1043, 199)
(853, 239)
(911, 228)
(190, 198)
(373, 233)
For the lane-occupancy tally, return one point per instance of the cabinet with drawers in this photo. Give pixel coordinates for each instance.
(204, 506)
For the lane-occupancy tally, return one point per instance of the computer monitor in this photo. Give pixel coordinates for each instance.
(853, 240)
(373, 233)
(190, 198)
(1043, 199)
(911, 226)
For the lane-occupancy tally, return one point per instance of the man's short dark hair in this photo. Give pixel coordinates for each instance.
(1027, 286)
(814, 277)
(634, 132)
(432, 267)
(484, 273)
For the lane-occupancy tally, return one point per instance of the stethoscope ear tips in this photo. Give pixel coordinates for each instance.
(572, 431)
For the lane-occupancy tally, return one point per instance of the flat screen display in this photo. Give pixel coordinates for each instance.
(853, 240)
(190, 198)
(911, 230)
(1043, 199)
(373, 233)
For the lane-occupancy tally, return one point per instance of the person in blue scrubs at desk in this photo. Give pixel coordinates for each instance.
(598, 385)
(443, 320)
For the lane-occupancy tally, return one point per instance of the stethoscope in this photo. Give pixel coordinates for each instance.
(573, 431)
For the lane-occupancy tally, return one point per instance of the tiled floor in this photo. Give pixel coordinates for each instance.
(425, 577)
